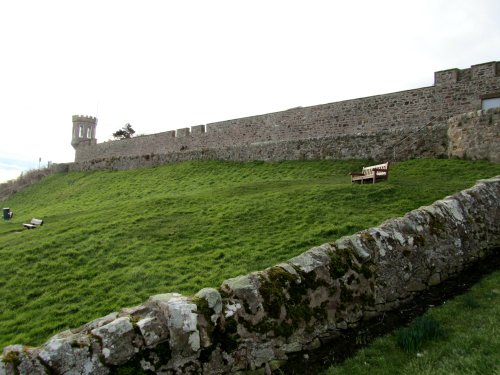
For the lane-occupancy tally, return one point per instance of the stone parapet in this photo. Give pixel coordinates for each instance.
(475, 135)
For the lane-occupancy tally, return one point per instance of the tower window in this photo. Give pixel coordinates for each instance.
(88, 132)
(81, 131)
(490, 103)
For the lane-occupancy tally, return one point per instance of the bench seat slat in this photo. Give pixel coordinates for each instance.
(34, 223)
(373, 173)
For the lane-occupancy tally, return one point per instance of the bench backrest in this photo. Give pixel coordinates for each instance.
(369, 170)
(36, 221)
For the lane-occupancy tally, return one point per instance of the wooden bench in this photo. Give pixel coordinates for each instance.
(34, 223)
(371, 174)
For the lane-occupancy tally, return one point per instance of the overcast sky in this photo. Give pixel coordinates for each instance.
(162, 65)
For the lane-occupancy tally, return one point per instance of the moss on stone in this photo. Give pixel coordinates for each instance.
(159, 356)
(78, 344)
(132, 369)
(309, 280)
(352, 277)
(286, 301)
(133, 319)
(367, 237)
(339, 263)
(272, 290)
(11, 357)
(346, 294)
(300, 312)
(225, 335)
(367, 299)
(281, 289)
(436, 226)
(264, 326)
(246, 306)
(163, 352)
(278, 275)
(224, 295)
(320, 312)
(284, 329)
(299, 292)
(202, 307)
(337, 268)
(267, 325)
(366, 270)
(419, 240)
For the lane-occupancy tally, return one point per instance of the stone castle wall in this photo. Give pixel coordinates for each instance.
(253, 323)
(432, 144)
(475, 135)
(455, 91)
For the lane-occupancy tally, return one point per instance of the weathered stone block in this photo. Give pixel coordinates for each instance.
(20, 360)
(182, 323)
(117, 340)
(213, 298)
(153, 330)
(244, 288)
(73, 354)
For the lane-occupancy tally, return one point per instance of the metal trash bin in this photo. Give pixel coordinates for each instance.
(6, 214)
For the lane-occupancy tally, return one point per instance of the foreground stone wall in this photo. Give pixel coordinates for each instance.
(475, 135)
(253, 322)
(455, 91)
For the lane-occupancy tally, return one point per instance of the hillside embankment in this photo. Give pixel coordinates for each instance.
(256, 321)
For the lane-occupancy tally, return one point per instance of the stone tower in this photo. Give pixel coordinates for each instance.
(83, 131)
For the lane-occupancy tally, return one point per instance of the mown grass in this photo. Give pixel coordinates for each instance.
(111, 239)
(469, 343)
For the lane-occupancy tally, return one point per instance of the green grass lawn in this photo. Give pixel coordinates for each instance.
(469, 344)
(111, 239)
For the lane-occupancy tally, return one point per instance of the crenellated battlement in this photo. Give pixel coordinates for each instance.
(198, 129)
(455, 91)
(183, 132)
(84, 131)
(479, 71)
(82, 118)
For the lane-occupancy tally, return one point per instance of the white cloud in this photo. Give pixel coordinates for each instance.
(11, 166)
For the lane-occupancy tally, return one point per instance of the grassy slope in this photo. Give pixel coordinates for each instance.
(111, 239)
(471, 344)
